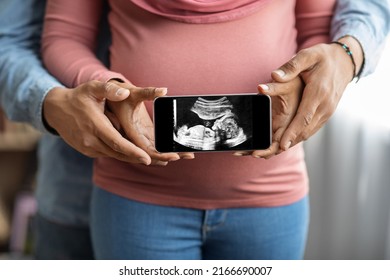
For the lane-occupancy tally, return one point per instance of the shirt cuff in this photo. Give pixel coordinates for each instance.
(370, 46)
(41, 89)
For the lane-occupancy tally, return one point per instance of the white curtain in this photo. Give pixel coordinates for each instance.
(349, 169)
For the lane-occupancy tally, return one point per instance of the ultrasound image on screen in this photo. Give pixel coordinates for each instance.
(213, 123)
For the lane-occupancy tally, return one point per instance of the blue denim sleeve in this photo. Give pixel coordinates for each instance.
(24, 82)
(369, 22)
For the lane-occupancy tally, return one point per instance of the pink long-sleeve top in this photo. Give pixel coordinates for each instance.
(191, 47)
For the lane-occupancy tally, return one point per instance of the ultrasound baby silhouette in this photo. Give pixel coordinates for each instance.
(209, 123)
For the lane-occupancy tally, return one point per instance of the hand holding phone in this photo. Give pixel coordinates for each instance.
(235, 122)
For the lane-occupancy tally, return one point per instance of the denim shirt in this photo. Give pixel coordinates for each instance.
(24, 82)
(64, 176)
(64, 179)
(368, 22)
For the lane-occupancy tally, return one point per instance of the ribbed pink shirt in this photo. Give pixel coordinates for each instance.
(155, 48)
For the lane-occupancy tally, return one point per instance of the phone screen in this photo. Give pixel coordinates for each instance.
(212, 123)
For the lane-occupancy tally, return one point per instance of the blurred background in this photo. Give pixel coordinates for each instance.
(348, 163)
(349, 170)
(17, 181)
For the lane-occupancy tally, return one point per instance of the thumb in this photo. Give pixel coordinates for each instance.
(114, 92)
(147, 93)
(302, 61)
(108, 90)
(274, 89)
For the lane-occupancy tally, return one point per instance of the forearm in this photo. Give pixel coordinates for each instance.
(69, 42)
(24, 84)
(368, 23)
(23, 81)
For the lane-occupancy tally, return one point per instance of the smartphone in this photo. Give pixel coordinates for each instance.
(204, 123)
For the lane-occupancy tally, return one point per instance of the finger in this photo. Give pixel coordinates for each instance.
(267, 152)
(187, 155)
(119, 156)
(142, 93)
(302, 61)
(316, 124)
(109, 90)
(139, 94)
(159, 162)
(302, 120)
(242, 153)
(273, 89)
(114, 140)
(279, 132)
(148, 145)
(96, 148)
(143, 136)
(113, 119)
(90, 148)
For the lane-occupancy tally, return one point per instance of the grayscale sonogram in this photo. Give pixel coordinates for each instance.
(213, 122)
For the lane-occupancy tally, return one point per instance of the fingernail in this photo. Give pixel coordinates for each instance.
(187, 157)
(122, 91)
(238, 154)
(288, 145)
(174, 159)
(163, 90)
(280, 73)
(265, 88)
(143, 161)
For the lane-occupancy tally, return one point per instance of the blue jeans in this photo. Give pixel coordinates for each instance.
(55, 241)
(127, 229)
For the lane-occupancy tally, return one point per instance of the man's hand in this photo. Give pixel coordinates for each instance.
(326, 71)
(78, 116)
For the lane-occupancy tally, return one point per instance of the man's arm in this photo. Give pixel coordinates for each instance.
(24, 83)
(368, 22)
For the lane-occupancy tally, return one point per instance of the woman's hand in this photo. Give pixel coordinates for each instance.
(132, 119)
(284, 106)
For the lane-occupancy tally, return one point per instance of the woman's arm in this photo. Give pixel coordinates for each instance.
(69, 42)
(313, 20)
